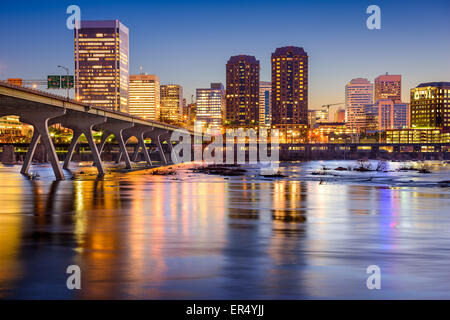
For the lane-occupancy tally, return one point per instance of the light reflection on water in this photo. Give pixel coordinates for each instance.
(207, 237)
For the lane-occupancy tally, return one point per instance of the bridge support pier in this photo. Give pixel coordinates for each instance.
(139, 132)
(82, 124)
(116, 128)
(40, 120)
(157, 136)
(166, 137)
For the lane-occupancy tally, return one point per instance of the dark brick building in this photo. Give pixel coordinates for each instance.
(242, 91)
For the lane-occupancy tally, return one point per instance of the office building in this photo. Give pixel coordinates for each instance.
(386, 114)
(144, 96)
(101, 64)
(430, 106)
(388, 87)
(171, 103)
(417, 136)
(210, 107)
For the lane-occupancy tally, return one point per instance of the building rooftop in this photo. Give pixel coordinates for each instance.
(434, 84)
(93, 24)
(242, 57)
(285, 50)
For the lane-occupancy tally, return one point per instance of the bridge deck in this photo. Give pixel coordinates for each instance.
(41, 109)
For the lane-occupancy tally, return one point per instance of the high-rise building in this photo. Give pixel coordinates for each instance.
(430, 106)
(289, 86)
(386, 114)
(358, 94)
(242, 90)
(388, 87)
(101, 64)
(211, 105)
(265, 103)
(144, 96)
(171, 103)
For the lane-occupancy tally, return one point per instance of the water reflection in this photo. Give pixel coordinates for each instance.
(141, 236)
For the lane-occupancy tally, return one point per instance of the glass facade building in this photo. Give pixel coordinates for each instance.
(101, 64)
(211, 105)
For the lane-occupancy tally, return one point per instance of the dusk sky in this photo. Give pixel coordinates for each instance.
(189, 42)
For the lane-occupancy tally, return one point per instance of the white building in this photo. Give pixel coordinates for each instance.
(358, 94)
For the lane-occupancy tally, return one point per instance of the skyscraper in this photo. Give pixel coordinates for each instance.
(242, 90)
(290, 91)
(144, 96)
(430, 106)
(101, 64)
(388, 87)
(358, 94)
(171, 103)
(211, 105)
(265, 103)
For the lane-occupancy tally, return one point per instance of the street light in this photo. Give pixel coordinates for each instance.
(67, 80)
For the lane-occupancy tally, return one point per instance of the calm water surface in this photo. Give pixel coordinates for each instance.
(194, 236)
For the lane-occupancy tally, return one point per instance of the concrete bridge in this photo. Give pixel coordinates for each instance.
(41, 110)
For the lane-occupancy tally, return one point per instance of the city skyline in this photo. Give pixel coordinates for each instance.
(226, 156)
(175, 61)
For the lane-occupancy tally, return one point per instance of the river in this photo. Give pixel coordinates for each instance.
(308, 235)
